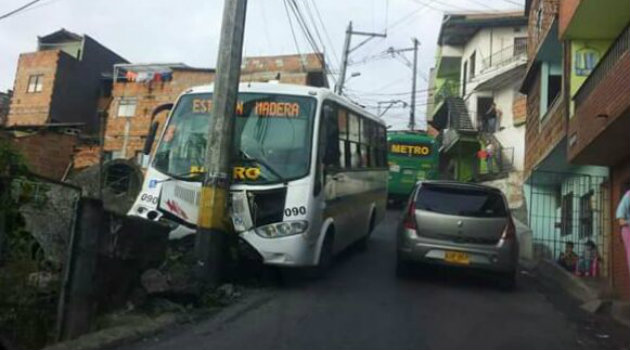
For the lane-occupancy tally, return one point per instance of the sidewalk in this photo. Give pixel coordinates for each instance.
(594, 295)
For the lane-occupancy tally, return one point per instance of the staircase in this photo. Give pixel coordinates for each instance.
(458, 114)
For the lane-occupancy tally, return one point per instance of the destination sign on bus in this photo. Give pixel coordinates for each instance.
(261, 108)
(411, 150)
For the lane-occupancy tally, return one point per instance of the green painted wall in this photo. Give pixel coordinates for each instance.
(464, 156)
(585, 54)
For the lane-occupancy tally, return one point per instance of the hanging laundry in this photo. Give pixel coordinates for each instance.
(144, 77)
(131, 76)
(166, 76)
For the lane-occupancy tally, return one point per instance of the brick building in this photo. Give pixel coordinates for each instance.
(139, 88)
(34, 144)
(597, 58)
(62, 81)
(578, 113)
(133, 102)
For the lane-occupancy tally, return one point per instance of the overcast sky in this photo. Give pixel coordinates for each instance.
(188, 31)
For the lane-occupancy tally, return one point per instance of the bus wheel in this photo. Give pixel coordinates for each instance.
(325, 256)
(363, 243)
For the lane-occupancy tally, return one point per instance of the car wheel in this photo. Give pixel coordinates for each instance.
(402, 268)
(507, 280)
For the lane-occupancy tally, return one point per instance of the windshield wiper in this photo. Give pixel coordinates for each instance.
(261, 162)
(187, 174)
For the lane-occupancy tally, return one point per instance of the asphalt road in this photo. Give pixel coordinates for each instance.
(362, 305)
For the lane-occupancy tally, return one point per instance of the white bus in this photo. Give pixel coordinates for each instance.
(309, 176)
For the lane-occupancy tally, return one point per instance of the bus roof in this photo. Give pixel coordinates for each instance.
(291, 89)
(409, 136)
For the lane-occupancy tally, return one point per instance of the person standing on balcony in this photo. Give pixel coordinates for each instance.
(623, 217)
(492, 116)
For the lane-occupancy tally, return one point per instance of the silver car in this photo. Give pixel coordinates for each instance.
(458, 224)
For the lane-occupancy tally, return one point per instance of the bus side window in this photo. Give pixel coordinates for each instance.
(331, 134)
(344, 147)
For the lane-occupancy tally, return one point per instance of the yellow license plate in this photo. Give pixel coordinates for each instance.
(457, 258)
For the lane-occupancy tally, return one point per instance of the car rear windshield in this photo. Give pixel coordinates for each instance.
(460, 201)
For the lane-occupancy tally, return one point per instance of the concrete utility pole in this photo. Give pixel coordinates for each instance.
(414, 68)
(210, 243)
(412, 112)
(347, 50)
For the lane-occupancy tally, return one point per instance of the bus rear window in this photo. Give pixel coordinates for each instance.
(460, 201)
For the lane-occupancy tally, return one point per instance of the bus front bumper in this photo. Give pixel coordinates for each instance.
(294, 251)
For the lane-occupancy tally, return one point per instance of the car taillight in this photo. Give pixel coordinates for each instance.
(509, 232)
(409, 221)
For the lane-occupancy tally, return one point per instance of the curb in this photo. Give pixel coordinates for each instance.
(111, 337)
(620, 312)
(556, 276)
(126, 334)
(592, 300)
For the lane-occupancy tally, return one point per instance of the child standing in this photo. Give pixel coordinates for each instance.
(568, 259)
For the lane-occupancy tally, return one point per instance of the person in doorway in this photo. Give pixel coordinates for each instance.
(568, 259)
(491, 118)
(623, 217)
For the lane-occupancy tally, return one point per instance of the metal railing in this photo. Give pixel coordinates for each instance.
(570, 207)
(605, 65)
(495, 167)
(504, 57)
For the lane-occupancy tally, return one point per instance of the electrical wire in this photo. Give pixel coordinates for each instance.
(309, 36)
(19, 9)
(297, 46)
(314, 23)
(332, 46)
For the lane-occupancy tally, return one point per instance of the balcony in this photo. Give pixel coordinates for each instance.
(505, 57)
(588, 19)
(602, 109)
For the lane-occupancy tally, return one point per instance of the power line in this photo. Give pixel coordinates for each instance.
(297, 47)
(332, 46)
(309, 36)
(319, 36)
(19, 9)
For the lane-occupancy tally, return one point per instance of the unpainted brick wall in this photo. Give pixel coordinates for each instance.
(148, 98)
(86, 156)
(519, 109)
(542, 136)
(611, 97)
(549, 10)
(33, 108)
(47, 152)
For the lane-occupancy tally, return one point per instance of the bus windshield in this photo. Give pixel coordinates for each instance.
(272, 136)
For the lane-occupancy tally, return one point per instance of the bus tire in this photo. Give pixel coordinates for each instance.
(363, 243)
(325, 255)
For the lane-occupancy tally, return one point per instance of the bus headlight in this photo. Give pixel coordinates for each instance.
(282, 229)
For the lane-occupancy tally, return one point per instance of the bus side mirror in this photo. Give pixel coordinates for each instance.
(148, 143)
